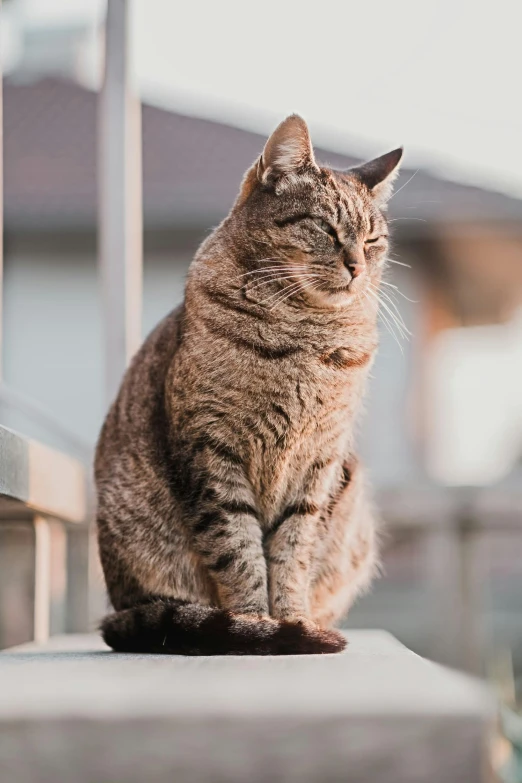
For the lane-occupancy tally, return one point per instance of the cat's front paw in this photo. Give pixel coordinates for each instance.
(297, 613)
(308, 638)
(292, 617)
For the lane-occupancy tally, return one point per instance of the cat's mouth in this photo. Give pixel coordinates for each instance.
(344, 284)
(342, 294)
(332, 296)
(351, 287)
(339, 289)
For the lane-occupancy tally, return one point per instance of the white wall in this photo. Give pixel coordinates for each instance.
(474, 403)
(53, 349)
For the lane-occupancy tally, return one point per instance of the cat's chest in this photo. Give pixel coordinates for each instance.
(314, 392)
(303, 421)
(292, 468)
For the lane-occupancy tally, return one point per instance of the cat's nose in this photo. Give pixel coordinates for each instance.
(355, 269)
(354, 263)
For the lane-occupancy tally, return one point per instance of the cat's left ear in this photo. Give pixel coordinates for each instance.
(287, 151)
(379, 174)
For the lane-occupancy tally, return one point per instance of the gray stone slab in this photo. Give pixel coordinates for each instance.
(73, 711)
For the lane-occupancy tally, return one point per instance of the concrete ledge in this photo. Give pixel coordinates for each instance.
(36, 477)
(72, 710)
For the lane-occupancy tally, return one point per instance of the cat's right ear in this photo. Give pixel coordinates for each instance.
(379, 174)
(287, 151)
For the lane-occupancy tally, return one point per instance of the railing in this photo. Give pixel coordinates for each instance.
(45, 542)
(43, 509)
(449, 524)
(120, 200)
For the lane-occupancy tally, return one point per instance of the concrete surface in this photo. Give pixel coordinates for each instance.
(71, 711)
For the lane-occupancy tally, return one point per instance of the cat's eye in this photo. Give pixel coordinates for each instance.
(319, 222)
(372, 240)
(325, 226)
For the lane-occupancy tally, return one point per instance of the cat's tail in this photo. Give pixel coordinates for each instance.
(172, 627)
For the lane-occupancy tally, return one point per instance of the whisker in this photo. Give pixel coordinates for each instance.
(427, 201)
(402, 331)
(280, 268)
(400, 263)
(386, 323)
(290, 289)
(400, 327)
(276, 279)
(282, 265)
(391, 330)
(278, 293)
(413, 301)
(403, 186)
(272, 268)
(259, 281)
(263, 242)
(281, 274)
(310, 284)
(396, 308)
(394, 220)
(391, 296)
(258, 271)
(394, 314)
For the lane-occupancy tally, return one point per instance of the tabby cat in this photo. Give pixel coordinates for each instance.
(232, 511)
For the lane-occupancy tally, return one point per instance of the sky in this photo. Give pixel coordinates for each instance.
(441, 77)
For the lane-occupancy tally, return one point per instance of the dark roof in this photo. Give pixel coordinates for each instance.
(192, 167)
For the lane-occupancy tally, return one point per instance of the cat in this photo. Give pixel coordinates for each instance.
(232, 511)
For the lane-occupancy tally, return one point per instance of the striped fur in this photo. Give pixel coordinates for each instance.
(232, 514)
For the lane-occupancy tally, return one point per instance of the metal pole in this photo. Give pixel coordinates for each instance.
(42, 580)
(1, 210)
(120, 200)
(454, 571)
(78, 592)
(443, 568)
